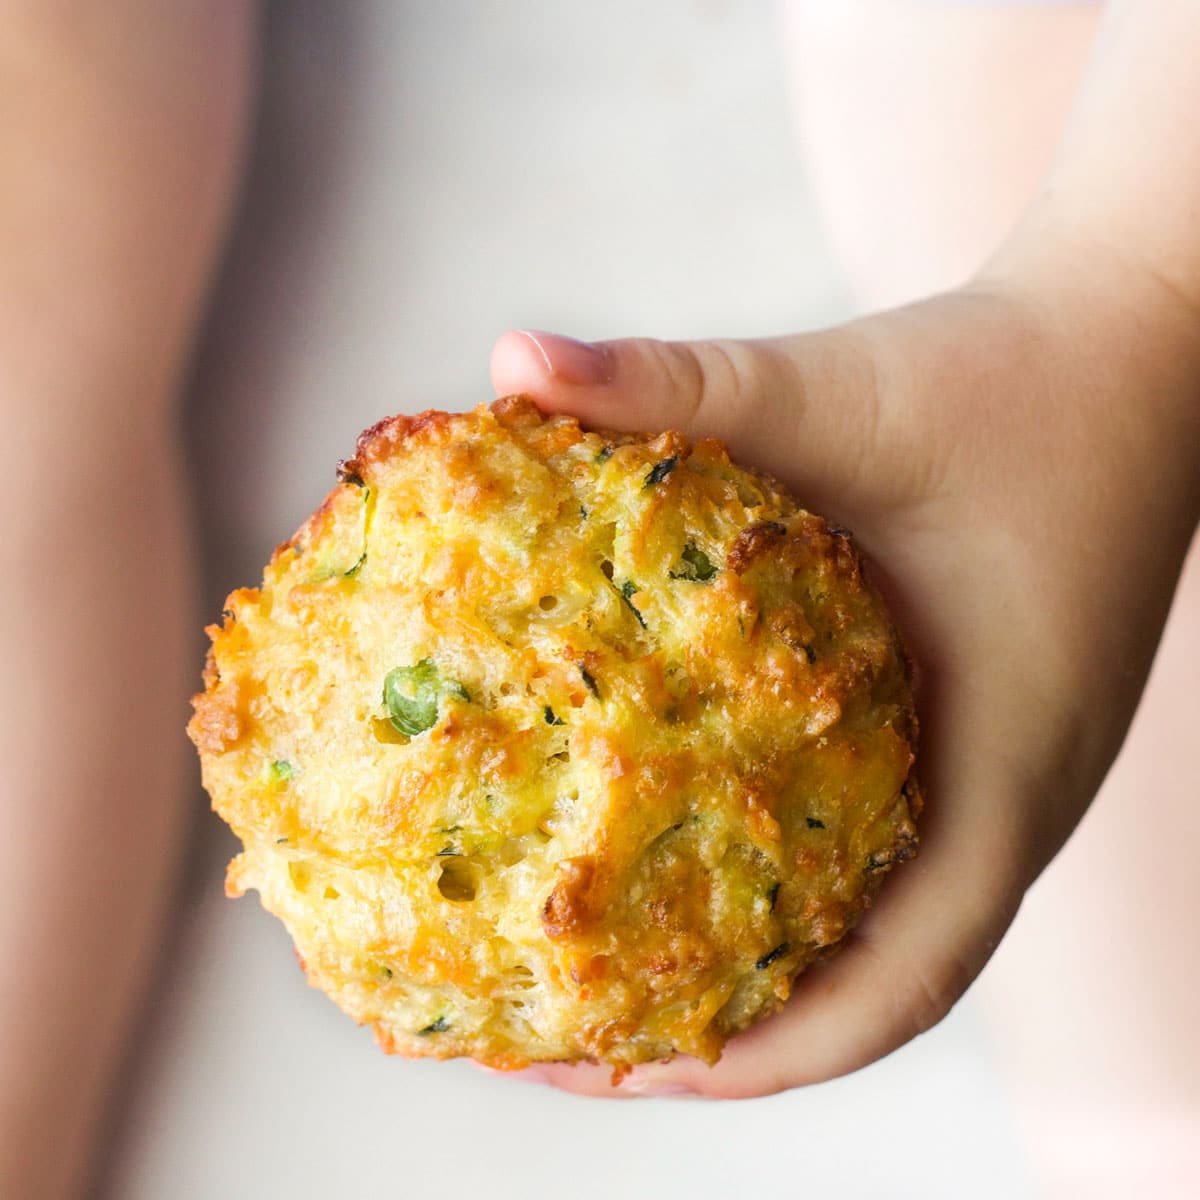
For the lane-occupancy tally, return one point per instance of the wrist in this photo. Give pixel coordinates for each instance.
(1125, 337)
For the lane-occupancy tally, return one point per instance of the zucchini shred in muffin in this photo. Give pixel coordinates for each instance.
(549, 745)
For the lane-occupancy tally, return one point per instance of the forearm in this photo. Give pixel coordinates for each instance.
(1129, 170)
(1110, 248)
(120, 139)
(93, 637)
(922, 163)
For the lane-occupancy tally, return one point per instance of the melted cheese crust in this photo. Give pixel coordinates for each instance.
(672, 754)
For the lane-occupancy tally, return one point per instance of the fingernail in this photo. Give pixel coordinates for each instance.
(581, 363)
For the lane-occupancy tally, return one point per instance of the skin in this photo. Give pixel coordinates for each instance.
(1020, 458)
(923, 167)
(1032, 434)
(120, 132)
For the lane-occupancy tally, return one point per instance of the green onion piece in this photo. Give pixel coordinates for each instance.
(767, 959)
(661, 470)
(694, 565)
(438, 1026)
(411, 696)
(281, 771)
(627, 590)
(590, 680)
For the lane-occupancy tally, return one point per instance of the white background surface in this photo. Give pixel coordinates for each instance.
(428, 175)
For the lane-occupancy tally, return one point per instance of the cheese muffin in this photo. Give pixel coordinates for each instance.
(552, 745)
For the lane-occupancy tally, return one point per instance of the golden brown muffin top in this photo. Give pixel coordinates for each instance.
(553, 744)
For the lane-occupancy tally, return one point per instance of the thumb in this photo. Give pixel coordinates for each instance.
(804, 408)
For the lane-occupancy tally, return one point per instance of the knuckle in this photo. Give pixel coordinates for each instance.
(682, 372)
(928, 1000)
(931, 990)
(727, 370)
(722, 378)
(922, 993)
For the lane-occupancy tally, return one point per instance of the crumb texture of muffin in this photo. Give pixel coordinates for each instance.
(548, 744)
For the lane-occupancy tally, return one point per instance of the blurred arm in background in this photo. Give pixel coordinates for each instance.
(120, 133)
(927, 126)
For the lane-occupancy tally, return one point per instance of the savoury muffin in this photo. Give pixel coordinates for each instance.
(549, 745)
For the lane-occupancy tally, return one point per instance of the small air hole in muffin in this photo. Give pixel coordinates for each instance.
(457, 881)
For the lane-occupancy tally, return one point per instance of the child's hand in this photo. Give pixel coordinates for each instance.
(1021, 468)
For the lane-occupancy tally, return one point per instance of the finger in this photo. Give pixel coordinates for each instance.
(804, 408)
